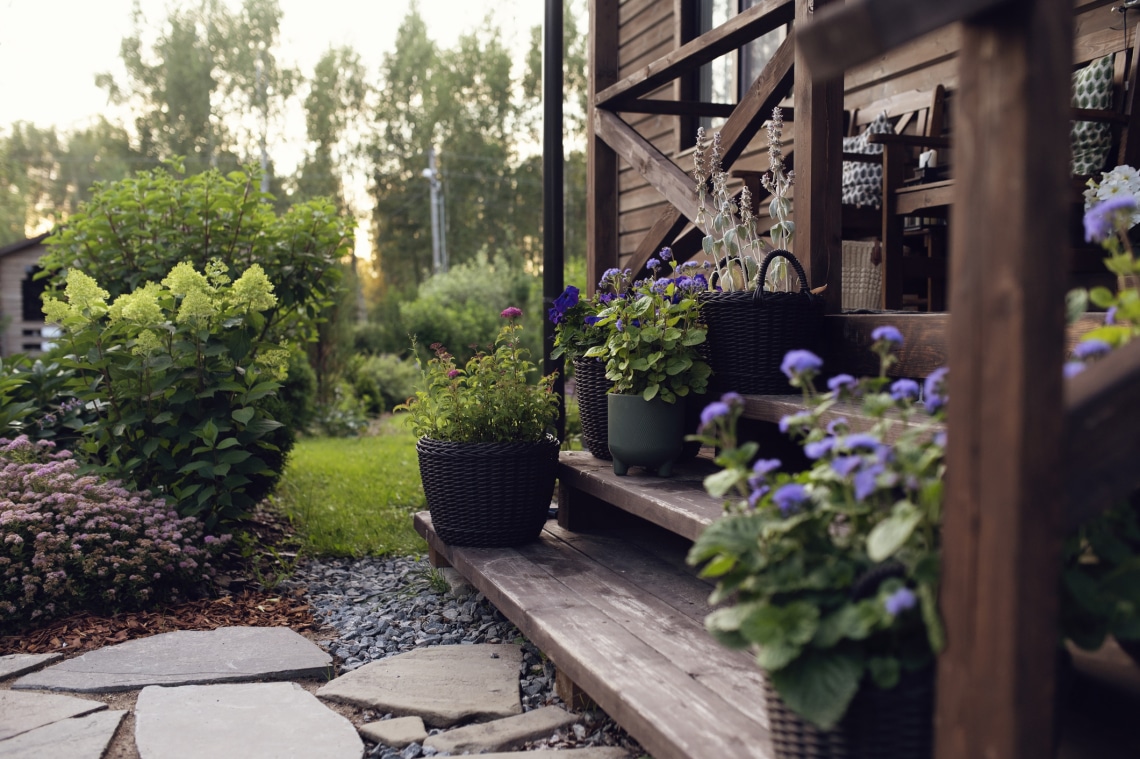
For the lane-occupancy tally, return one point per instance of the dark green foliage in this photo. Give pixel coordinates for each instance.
(383, 381)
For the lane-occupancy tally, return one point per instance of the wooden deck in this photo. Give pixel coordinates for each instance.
(619, 615)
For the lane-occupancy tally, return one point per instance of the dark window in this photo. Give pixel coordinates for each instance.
(31, 292)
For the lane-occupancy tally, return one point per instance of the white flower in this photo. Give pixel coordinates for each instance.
(1121, 180)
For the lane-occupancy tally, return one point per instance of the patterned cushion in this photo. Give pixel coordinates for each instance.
(1091, 141)
(863, 182)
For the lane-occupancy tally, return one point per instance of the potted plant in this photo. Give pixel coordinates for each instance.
(575, 332)
(830, 575)
(752, 320)
(653, 359)
(487, 460)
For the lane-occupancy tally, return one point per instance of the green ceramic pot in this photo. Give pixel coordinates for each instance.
(645, 433)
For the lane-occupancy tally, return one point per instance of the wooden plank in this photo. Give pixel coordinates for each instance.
(738, 30)
(1101, 444)
(819, 129)
(667, 227)
(773, 408)
(677, 107)
(678, 503)
(648, 40)
(938, 46)
(668, 711)
(755, 108)
(601, 161)
(650, 162)
(858, 31)
(1004, 491)
(909, 200)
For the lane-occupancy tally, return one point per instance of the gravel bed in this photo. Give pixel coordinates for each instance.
(383, 607)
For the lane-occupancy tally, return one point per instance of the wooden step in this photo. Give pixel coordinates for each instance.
(773, 408)
(621, 616)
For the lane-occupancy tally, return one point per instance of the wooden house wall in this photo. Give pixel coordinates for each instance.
(13, 271)
(649, 29)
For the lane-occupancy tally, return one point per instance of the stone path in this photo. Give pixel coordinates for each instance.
(196, 699)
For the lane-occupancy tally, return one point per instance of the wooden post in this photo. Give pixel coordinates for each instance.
(1003, 484)
(601, 161)
(818, 128)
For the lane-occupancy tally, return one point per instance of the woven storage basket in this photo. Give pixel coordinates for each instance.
(488, 494)
(862, 275)
(879, 724)
(749, 332)
(591, 387)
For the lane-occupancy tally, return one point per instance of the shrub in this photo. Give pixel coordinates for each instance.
(73, 542)
(180, 379)
(387, 380)
(344, 415)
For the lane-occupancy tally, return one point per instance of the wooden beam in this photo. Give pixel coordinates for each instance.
(726, 38)
(818, 132)
(1004, 490)
(677, 108)
(668, 225)
(860, 30)
(651, 163)
(756, 106)
(1101, 445)
(602, 249)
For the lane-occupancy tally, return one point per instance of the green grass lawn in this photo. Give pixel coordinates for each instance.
(355, 496)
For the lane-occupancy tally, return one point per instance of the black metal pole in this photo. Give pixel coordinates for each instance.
(553, 221)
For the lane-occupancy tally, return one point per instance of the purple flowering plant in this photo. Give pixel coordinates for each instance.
(490, 399)
(653, 332)
(70, 541)
(830, 575)
(575, 317)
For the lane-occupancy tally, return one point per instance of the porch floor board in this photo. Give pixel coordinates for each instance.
(621, 616)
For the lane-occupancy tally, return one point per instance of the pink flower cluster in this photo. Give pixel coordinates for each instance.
(74, 542)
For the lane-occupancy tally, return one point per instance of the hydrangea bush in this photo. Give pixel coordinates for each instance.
(831, 574)
(71, 541)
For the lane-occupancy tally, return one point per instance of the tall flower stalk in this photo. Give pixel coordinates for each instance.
(779, 182)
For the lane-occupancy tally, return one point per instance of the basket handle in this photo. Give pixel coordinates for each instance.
(795, 265)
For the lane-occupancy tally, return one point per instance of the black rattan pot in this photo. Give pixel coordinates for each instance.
(488, 494)
(591, 388)
(750, 332)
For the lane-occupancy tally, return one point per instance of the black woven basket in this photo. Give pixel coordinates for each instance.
(488, 494)
(879, 724)
(750, 332)
(591, 387)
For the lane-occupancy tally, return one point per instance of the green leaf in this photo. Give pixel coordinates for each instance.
(243, 415)
(718, 566)
(209, 432)
(229, 442)
(891, 534)
(884, 671)
(650, 392)
(233, 457)
(819, 685)
(853, 621)
(793, 624)
(777, 656)
(721, 482)
(1101, 297)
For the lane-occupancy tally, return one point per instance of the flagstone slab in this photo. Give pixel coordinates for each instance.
(187, 657)
(76, 738)
(251, 721)
(443, 685)
(502, 734)
(21, 712)
(397, 733)
(592, 752)
(19, 664)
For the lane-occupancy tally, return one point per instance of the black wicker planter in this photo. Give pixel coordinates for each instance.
(750, 332)
(488, 494)
(880, 724)
(591, 388)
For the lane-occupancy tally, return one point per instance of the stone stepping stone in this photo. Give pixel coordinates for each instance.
(22, 712)
(443, 685)
(251, 721)
(397, 733)
(502, 734)
(593, 752)
(187, 657)
(77, 738)
(18, 664)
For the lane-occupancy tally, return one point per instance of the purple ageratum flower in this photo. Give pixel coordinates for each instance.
(834, 426)
(712, 412)
(940, 438)
(842, 382)
(865, 480)
(1072, 369)
(1100, 220)
(765, 466)
(732, 399)
(1110, 315)
(845, 465)
(819, 448)
(606, 298)
(887, 333)
(511, 312)
(800, 362)
(899, 601)
(652, 263)
(934, 389)
(758, 492)
(904, 390)
(619, 325)
(1091, 348)
(666, 254)
(789, 498)
(860, 440)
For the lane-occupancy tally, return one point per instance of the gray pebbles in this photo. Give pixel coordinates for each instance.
(383, 607)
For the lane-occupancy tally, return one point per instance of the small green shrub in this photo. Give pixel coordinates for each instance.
(386, 380)
(344, 415)
(73, 542)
